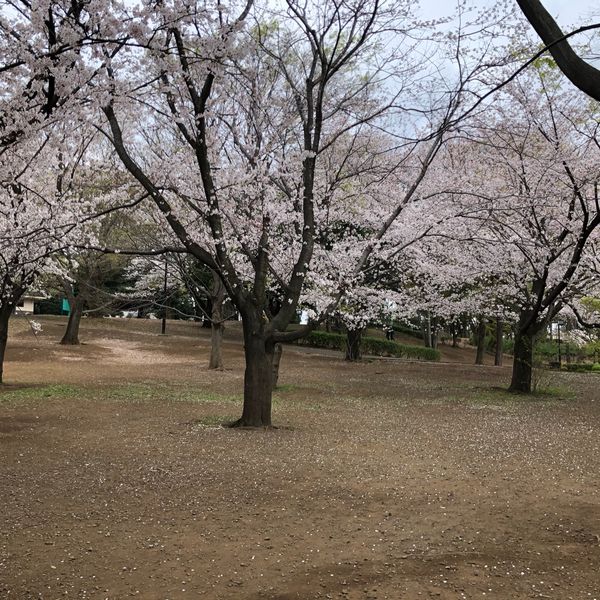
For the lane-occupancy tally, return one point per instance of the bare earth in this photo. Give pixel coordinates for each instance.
(386, 479)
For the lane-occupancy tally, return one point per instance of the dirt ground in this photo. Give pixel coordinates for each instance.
(385, 479)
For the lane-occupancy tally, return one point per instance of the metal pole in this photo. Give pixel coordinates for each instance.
(163, 325)
(559, 351)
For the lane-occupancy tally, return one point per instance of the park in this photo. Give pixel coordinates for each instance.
(299, 299)
(383, 479)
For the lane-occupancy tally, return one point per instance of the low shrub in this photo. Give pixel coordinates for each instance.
(370, 345)
(580, 367)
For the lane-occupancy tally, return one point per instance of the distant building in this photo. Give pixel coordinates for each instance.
(27, 304)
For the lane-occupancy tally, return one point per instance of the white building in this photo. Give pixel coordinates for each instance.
(27, 304)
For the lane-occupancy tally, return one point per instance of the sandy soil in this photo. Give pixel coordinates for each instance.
(386, 479)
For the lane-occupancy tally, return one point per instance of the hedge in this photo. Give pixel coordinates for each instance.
(370, 345)
(583, 367)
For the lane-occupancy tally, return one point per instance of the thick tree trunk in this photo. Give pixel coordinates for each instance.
(523, 362)
(499, 342)
(71, 336)
(353, 344)
(5, 312)
(278, 351)
(258, 376)
(217, 323)
(480, 341)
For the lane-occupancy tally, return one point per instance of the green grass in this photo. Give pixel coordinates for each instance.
(133, 392)
(9, 393)
(501, 396)
(160, 392)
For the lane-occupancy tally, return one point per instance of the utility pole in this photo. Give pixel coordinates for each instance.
(163, 325)
(559, 349)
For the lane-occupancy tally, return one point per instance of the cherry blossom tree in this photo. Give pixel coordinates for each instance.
(51, 54)
(256, 132)
(38, 217)
(255, 139)
(527, 193)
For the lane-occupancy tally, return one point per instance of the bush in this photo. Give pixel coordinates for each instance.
(407, 330)
(370, 345)
(323, 339)
(581, 367)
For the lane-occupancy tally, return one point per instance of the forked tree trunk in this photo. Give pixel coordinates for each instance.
(499, 342)
(277, 352)
(480, 341)
(523, 362)
(5, 312)
(71, 336)
(217, 297)
(353, 344)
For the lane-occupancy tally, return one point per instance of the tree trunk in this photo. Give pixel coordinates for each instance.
(499, 342)
(426, 330)
(216, 342)
(278, 351)
(454, 337)
(5, 312)
(217, 298)
(71, 336)
(480, 341)
(353, 343)
(258, 376)
(523, 362)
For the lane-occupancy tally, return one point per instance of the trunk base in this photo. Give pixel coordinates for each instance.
(239, 424)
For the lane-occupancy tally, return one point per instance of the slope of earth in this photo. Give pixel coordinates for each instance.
(386, 479)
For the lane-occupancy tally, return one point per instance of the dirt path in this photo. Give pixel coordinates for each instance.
(386, 480)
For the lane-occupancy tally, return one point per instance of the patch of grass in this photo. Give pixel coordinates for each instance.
(498, 396)
(144, 392)
(37, 392)
(286, 387)
(560, 393)
(133, 392)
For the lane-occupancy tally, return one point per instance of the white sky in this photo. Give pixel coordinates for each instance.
(567, 12)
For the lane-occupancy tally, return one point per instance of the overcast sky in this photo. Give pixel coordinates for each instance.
(567, 12)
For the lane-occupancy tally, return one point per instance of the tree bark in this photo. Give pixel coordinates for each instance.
(454, 337)
(71, 336)
(216, 343)
(426, 329)
(581, 73)
(258, 376)
(5, 312)
(480, 341)
(278, 351)
(217, 323)
(353, 344)
(523, 362)
(499, 342)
